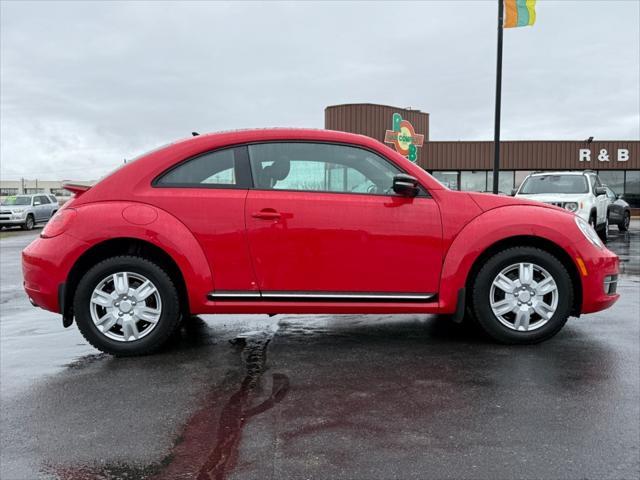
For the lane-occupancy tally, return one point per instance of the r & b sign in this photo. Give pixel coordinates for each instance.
(622, 155)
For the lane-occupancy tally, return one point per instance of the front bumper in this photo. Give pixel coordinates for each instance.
(8, 221)
(599, 282)
(46, 263)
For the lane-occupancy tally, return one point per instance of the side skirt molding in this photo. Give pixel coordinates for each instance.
(222, 295)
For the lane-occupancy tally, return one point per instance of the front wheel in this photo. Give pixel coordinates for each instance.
(626, 221)
(603, 233)
(29, 223)
(522, 295)
(126, 305)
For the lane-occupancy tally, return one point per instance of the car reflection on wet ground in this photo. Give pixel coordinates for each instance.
(398, 396)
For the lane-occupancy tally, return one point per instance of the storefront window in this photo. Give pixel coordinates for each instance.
(448, 179)
(473, 181)
(632, 188)
(505, 181)
(614, 179)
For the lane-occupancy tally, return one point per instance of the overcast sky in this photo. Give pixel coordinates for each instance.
(85, 85)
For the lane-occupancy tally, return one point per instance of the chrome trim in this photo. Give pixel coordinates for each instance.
(354, 296)
(322, 295)
(233, 294)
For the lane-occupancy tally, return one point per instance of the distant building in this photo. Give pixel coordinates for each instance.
(24, 186)
(467, 165)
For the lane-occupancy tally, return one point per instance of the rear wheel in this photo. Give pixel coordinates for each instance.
(626, 221)
(126, 305)
(522, 295)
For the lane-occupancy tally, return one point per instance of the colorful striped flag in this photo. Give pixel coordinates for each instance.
(519, 13)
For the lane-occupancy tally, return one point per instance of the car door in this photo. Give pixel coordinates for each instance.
(46, 207)
(39, 207)
(207, 193)
(54, 204)
(602, 201)
(324, 222)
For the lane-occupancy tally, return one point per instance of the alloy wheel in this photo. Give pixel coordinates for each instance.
(524, 296)
(125, 306)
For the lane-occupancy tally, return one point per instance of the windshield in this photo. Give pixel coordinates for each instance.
(19, 200)
(555, 184)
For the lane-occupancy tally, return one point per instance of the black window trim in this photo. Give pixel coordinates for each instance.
(424, 193)
(241, 167)
(244, 171)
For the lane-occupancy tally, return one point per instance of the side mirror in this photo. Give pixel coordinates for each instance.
(405, 185)
(36, 203)
(514, 191)
(600, 191)
(619, 196)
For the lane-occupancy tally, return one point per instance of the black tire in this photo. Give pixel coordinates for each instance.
(29, 223)
(626, 221)
(481, 287)
(166, 325)
(603, 232)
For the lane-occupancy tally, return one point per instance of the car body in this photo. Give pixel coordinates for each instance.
(27, 210)
(579, 192)
(619, 210)
(305, 221)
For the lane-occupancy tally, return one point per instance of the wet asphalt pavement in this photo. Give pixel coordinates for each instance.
(351, 396)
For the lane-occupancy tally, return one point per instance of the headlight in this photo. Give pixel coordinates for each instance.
(588, 231)
(571, 206)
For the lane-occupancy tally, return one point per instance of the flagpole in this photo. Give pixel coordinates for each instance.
(496, 135)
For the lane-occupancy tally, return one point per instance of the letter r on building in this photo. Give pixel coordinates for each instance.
(585, 155)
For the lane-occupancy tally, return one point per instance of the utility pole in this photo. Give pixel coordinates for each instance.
(496, 134)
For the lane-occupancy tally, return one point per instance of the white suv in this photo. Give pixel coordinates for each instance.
(578, 192)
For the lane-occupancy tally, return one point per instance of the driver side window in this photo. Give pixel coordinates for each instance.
(320, 167)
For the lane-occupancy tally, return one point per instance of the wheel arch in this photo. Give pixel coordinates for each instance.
(122, 246)
(549, 229)
(531, 241)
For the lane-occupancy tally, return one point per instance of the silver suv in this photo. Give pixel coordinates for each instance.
(27, 210)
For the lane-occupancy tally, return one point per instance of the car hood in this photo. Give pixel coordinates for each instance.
(14, 208)
(554, 197)
(488, 201)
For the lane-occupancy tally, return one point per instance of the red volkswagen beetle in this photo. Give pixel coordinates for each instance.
(305, 221)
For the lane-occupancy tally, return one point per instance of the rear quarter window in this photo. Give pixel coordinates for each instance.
(218, 169)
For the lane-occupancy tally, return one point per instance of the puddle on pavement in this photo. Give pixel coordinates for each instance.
(224, 437)
(207, 448)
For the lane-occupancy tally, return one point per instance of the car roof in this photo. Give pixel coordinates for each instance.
(582, 172)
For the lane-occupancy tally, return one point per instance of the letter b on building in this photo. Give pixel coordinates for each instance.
(623, 154)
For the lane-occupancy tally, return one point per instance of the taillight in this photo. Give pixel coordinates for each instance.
(58, 223)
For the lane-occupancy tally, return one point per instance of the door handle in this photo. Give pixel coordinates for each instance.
(266, 214)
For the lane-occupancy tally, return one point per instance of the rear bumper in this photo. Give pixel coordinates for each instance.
(46, 263)
(600, 266)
